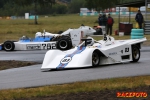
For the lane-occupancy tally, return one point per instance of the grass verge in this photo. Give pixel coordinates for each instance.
(14, 29)
(77, 87)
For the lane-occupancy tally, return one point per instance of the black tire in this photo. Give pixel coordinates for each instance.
(64, 43)
(95, 59)
(54, 38)
(135, 54)
(9, 46)
(60, 32)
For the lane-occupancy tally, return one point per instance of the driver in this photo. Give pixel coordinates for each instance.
(24, 38)
(90, 42)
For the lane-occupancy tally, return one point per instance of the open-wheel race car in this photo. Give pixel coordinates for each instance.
(94, 53)
(63, 41)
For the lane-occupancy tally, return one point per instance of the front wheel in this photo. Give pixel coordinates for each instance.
(135, 54)
(8, 45)
(95, 59)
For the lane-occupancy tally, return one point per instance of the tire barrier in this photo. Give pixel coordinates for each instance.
(137, 33)
(137, 37)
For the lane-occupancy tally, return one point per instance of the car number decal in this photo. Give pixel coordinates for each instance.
(33, 46)
(125, 50)
(49, 46)
(64, 62)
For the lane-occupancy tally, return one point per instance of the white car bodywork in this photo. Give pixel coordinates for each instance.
(34, 45)
(51, 34)
(85, 29)
(110, 51)
(74, 34)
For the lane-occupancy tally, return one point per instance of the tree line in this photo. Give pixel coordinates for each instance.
(43, 7)
(20, 7)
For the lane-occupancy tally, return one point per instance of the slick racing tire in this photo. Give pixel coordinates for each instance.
(137, 37)
(64, 43)
(135, 54)
(53, 39)
(8, 45)
(60, 32)
(136, 34)
(95, 59)
(137, 30)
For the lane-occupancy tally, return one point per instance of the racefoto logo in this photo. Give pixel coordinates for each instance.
(132, 94)
(65, 60)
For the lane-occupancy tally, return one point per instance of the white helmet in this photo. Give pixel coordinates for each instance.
(91, 41)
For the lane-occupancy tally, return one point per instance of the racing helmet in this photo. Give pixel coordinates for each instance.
(24, 38)
(90, 42)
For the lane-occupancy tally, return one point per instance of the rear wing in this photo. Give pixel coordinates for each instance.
(138, 41)
(76, 36)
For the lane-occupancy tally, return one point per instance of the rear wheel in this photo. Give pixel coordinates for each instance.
(95, 59)
(64, 43)
(8, 45)
(135, 53)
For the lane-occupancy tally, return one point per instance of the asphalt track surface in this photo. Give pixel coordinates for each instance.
(32, 76)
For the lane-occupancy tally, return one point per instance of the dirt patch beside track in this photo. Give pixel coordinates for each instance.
(7, 64)
(106, 94)
(98, 95)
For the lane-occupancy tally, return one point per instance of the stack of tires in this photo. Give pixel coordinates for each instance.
(137, 33)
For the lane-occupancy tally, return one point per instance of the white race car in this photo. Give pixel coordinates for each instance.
(94, 53)
(64, 41)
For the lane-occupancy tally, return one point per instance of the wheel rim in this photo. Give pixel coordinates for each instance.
(8, 46)
(95, 59)
(136, 53)
(63, 44)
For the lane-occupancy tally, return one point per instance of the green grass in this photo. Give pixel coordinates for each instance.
(77, 87)
(14, 29)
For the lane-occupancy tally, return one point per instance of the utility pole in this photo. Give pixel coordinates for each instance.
(35, 10)
(145, 9)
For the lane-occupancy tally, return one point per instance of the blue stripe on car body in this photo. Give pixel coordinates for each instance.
(78, 51)
(37, 39)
